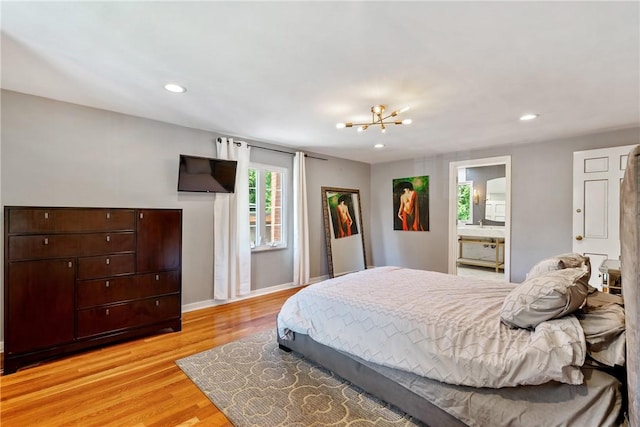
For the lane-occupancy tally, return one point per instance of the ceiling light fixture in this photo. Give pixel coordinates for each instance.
(529, 117)
(378, 146)
(172, 87)
(378, 118)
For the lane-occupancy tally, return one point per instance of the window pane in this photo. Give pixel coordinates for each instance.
(276, 233)
(268, 237)
(266, 206)
(252, 234)
(464, 202)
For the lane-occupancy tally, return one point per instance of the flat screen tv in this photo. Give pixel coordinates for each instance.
(206, 175)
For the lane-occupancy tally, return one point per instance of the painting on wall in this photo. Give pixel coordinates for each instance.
(411, 203)
(342, 213)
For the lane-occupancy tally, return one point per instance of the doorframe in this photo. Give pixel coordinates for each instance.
(453, 209)
(578, 206)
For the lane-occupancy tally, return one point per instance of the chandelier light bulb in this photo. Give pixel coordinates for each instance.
(341, 125)
(407, 121)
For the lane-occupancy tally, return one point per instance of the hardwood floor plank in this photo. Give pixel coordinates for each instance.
(134, 383)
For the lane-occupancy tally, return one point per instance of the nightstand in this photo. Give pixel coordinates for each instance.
(611, 279)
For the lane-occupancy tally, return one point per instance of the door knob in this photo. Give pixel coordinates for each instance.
(578, 237)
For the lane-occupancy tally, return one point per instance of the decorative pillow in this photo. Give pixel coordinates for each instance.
(559, 262)
(602, 319)
(604, 332)
(544, 297)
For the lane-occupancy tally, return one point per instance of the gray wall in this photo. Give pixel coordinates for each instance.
(322, 171)
(341, 173)
(262, 262)
(541, 214)
(61, 154)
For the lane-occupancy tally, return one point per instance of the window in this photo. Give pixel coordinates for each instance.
(465, 206)
(266, 206)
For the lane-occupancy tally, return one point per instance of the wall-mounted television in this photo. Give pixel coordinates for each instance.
(206, 175)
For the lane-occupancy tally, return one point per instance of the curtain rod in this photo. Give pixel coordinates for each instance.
(273, 149)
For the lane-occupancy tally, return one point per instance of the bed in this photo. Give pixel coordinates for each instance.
(458, 352)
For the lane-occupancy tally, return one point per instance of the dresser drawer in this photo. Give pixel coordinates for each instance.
(63, 220)
(91, 293)
(165, 282)
(100, 320)
(68, 245)
(105, 266)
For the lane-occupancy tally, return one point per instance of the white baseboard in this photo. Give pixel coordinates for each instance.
(258, 292)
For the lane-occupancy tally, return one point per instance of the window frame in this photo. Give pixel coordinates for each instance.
(471, 202)
(261, 225)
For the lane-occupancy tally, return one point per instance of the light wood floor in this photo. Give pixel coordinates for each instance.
(135, 383)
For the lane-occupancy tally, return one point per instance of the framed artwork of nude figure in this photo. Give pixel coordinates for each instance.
(411, 203)
(343, 230)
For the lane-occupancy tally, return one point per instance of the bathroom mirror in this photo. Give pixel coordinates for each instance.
(495, 204)
(343, 230)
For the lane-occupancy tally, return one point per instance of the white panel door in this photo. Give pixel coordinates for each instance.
(596, 205)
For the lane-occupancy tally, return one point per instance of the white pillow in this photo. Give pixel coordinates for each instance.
(547, 296)
(558, 262)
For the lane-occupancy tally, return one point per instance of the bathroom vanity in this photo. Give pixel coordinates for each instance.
(481, 246)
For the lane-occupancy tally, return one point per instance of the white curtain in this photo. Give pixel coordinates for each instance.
(300, 222)
(232, 250)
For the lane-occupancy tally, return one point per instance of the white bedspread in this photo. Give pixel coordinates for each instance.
(435, 325)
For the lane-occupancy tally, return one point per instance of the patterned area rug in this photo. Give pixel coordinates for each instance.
(254, 383)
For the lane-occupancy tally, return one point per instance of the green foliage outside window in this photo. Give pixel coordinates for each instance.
(252, 186)
(267, 184)
(464, 202)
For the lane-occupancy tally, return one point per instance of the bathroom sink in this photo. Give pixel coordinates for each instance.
(495, 231)
(474, 226)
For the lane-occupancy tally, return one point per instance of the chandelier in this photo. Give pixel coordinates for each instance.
(378, 118)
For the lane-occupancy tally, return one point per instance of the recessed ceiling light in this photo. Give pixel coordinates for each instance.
(529, 117)
(378, 146)
(172, 87)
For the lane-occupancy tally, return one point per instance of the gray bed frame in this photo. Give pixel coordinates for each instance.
(370, 380)
(374, 382)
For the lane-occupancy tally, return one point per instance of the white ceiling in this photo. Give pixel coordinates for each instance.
(287, 72)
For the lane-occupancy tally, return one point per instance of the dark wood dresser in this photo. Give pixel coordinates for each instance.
(82, 277)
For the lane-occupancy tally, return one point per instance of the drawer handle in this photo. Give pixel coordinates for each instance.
(108, 238)
(141, 215)
(157, 277)
(106, 312)
(157, 303)
(108, 215)
(46, 215)
(46, 241)
(108, 261)
(70, 264)
(107, 284)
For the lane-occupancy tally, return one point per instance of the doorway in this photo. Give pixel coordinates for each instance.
(597, 175)
(480, 218)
